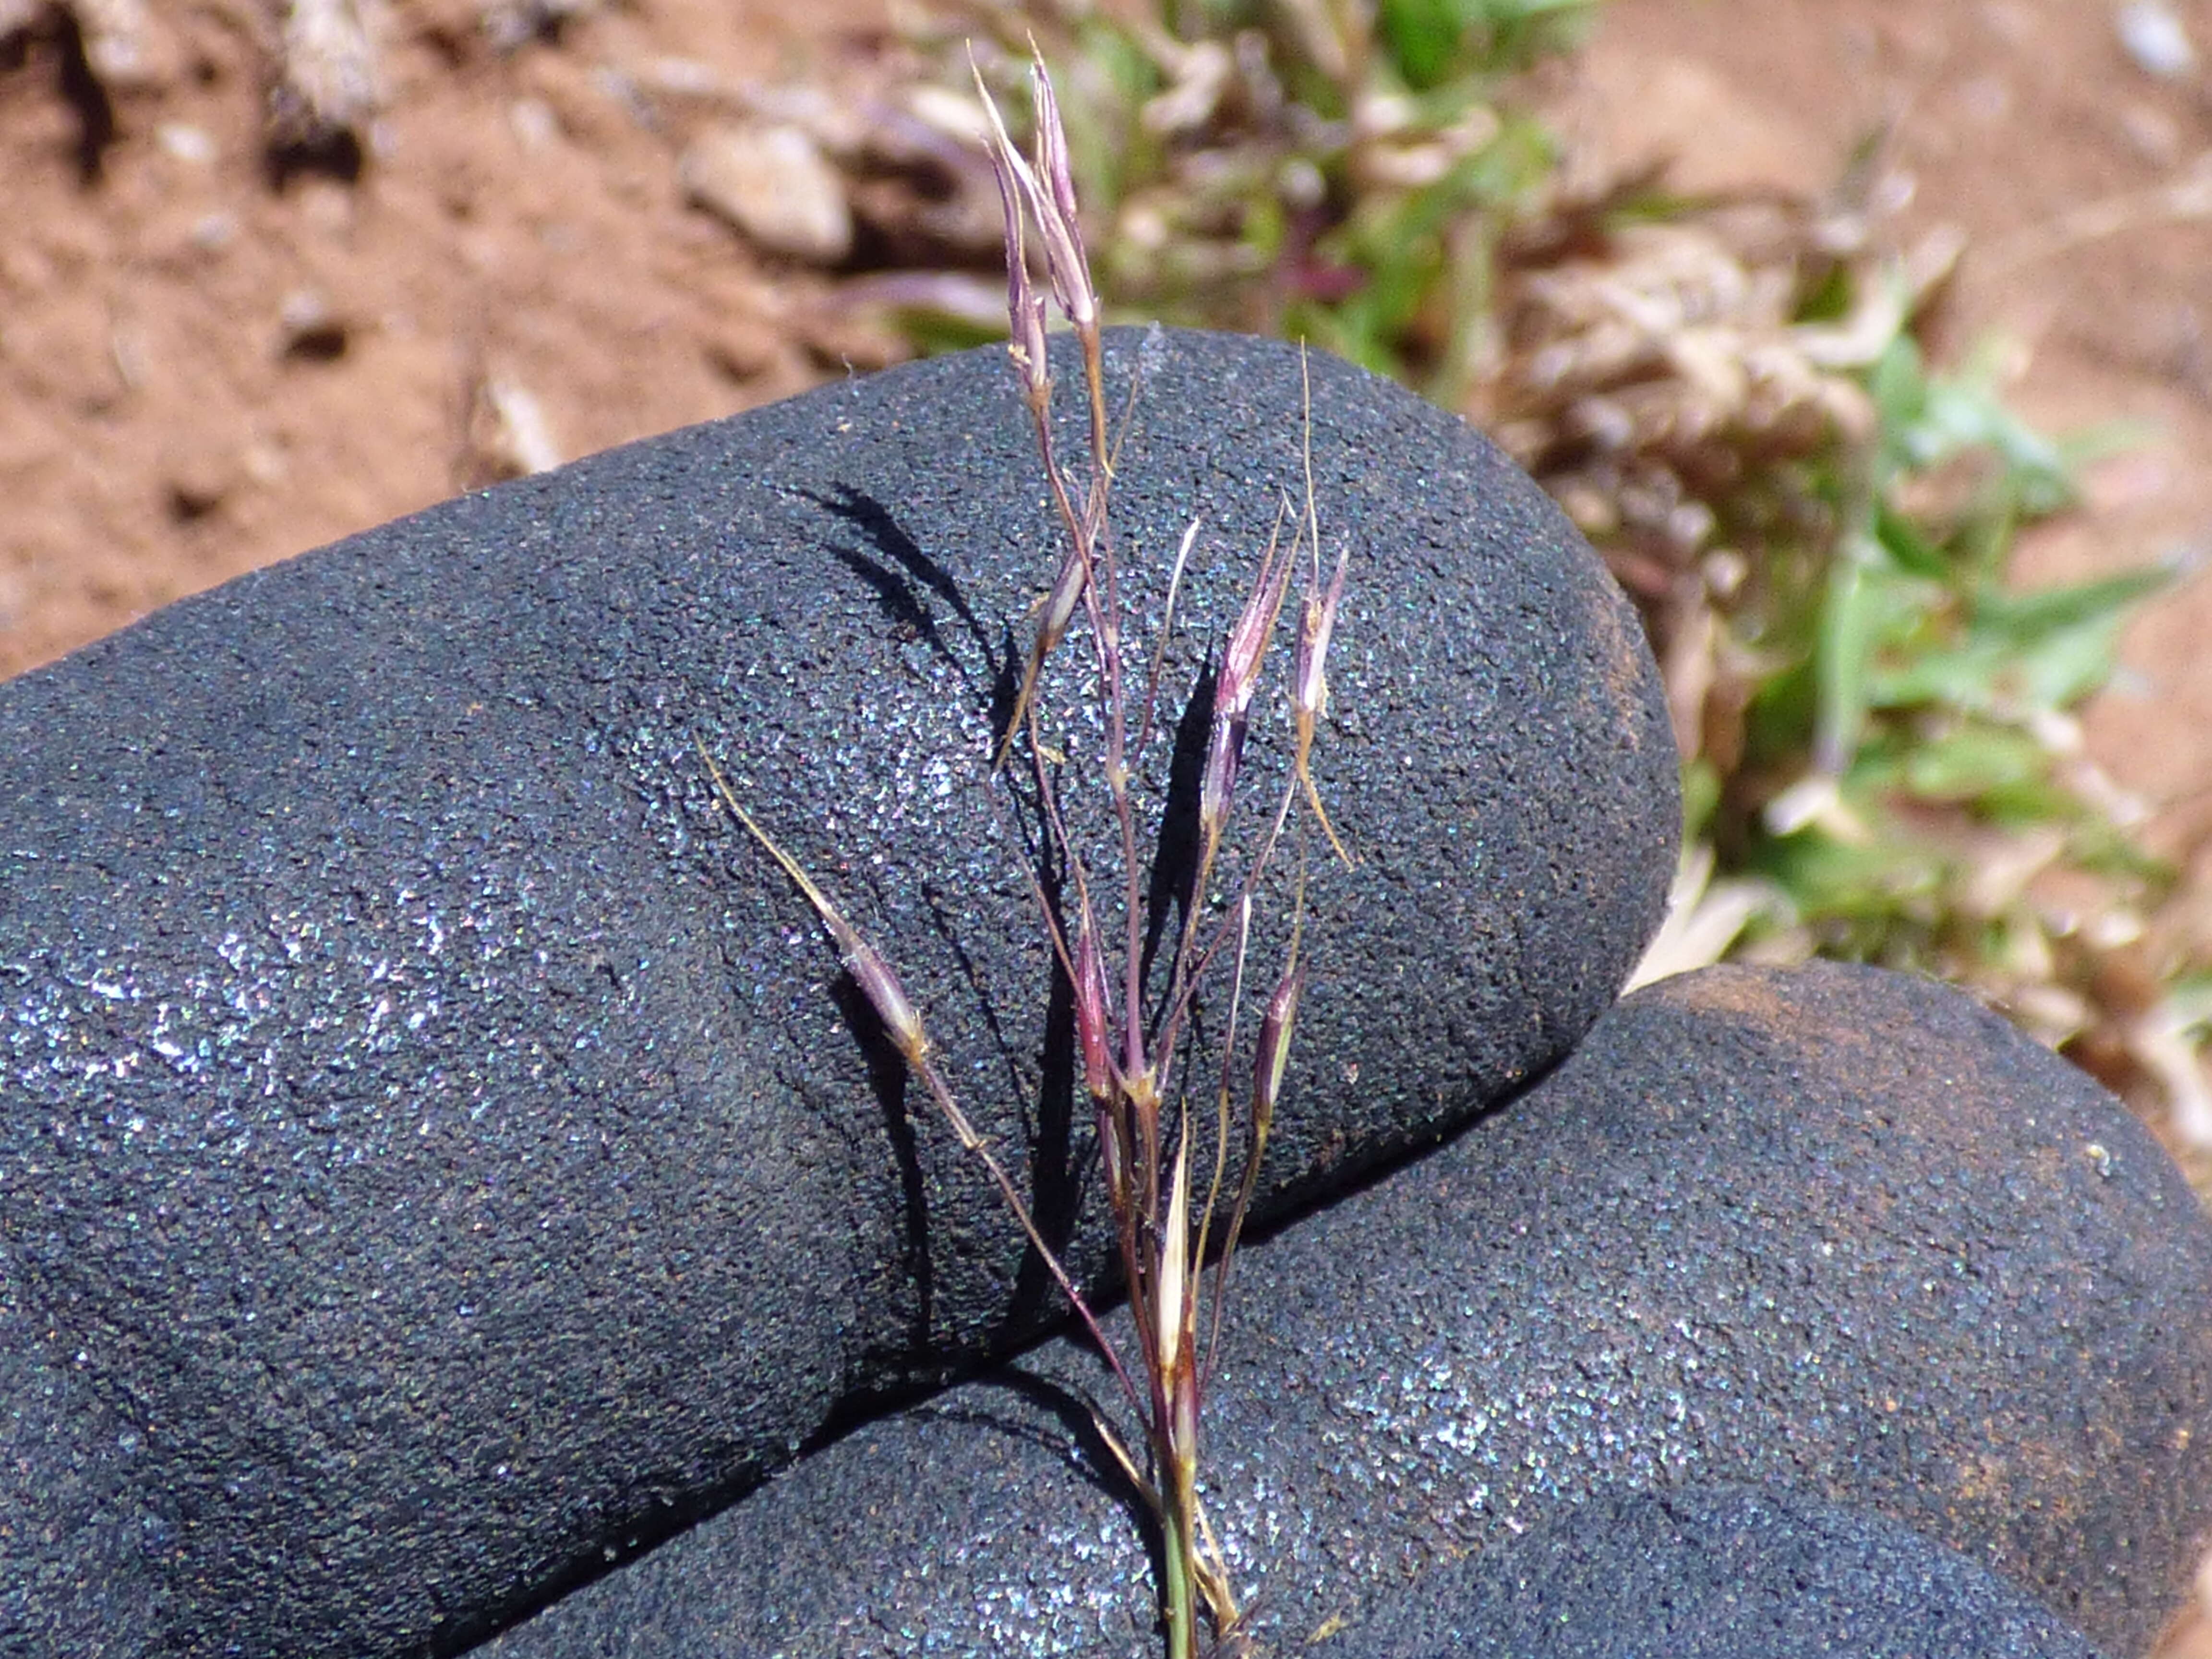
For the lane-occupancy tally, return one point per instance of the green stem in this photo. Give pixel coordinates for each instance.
(1177, 1540)
(1177, 1454)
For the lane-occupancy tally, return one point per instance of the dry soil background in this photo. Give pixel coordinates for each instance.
(208, 362)
(206, 365)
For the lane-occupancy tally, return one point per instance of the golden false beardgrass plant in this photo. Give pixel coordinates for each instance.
(1151, 1140)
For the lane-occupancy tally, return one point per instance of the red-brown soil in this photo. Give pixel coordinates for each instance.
(204, 367)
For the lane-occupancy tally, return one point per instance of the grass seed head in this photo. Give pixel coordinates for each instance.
(1066, 592)
(1248, 640)
(1091, 1028)
(1225, 749)
(1310, 685)
(874, 975)
(1271, 1055)
(1309, 689)
(1234, 687)
(1026, 340)
(1024, 304)
(1047, 189)
(1053, 200)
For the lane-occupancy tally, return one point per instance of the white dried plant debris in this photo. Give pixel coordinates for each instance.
(953, 116)
(919, 159)
(119, 47)
(772, 184)
(309, 329)
(124, 47)
(1705, 918)
(508, 24)
(181, 141)
(2168, 1045)
(326, 85)
(2185, 199)
(904, 157)
(534, 124)
(1198, 76)
(1654, 378)
(509, 435)
(837, 122)
(1641, 384)
(2153, 35)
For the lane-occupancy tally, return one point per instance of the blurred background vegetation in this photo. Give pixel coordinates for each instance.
(1736, 401)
